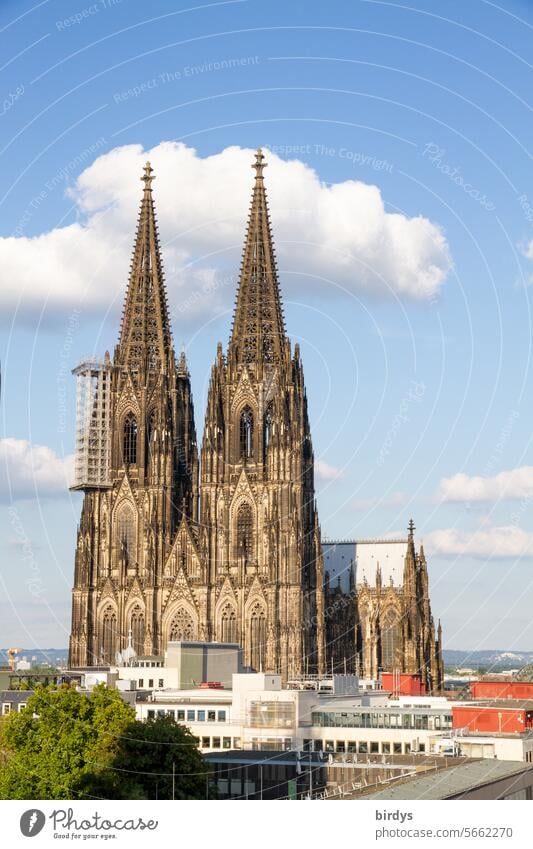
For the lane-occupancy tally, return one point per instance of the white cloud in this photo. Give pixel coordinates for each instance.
(507, 541)
(325, 472)
(32, 471)
(510, 484)
(339, 232)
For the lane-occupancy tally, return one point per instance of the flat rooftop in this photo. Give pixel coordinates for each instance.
(453, 781)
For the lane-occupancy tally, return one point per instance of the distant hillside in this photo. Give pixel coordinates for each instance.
(490, 659)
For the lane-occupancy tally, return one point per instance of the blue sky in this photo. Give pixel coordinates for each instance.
(402, 206)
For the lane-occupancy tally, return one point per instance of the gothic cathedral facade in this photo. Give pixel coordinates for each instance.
(165, 552)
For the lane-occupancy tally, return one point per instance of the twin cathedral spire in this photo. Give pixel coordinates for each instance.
(233, 553)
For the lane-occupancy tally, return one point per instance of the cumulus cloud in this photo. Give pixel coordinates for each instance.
(32, 471)
(510, 484)
(325, 472)
(332, 237)
(507, 541)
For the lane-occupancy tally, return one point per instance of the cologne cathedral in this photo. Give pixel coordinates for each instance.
(224, 546)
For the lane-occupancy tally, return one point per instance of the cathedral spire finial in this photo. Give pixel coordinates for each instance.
(258, 334)
(148, 177)
(411, 528)
(259, 163)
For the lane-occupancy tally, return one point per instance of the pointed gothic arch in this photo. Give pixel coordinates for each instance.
(244, 534)
(126, 534)
(268, 420)
(108, 634)
(246, 433)
(257, 636)
(137, 627)
(227, 623)
(129, 440)
(390, 639)
(150, 430)
(182, 625)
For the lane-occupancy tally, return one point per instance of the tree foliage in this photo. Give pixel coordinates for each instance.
(70, 745)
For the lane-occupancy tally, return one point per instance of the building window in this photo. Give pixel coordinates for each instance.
(363, 748)
(267, 429)
(390, 640)
(211, 716)
(318, 745)
(182, 627)
(221, 716)
(130, 440)
(352, 746)
(137, 630)
(340, 747)
(109, 635)
(206, 741)
(191, 714)
(374, 748)
(330, 747)
(397, 748)
(385, 748)
(141, 682)
(126, 534)
(181, 716)
(201, 716)
(228, 624)
(161, 683)
(150, 682)
(151, 714)
(257, 637)
(226, 742)
(236, 742)
(245, 534)
(171, 713)
(246, 434)
(6, 708)
(216, 743)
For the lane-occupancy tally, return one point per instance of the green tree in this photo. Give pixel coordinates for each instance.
(71, 745)
(63, 740)
(157, 759)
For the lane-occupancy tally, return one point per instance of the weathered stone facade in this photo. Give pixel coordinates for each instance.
(378, 611)
(233, 553)
(249, 567)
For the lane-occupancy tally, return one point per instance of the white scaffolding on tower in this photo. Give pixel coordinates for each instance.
(93, 410)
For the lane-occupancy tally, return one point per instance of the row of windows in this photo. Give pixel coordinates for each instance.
(8, 707)
(361, 747)
(416, 721)
(190, 715)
